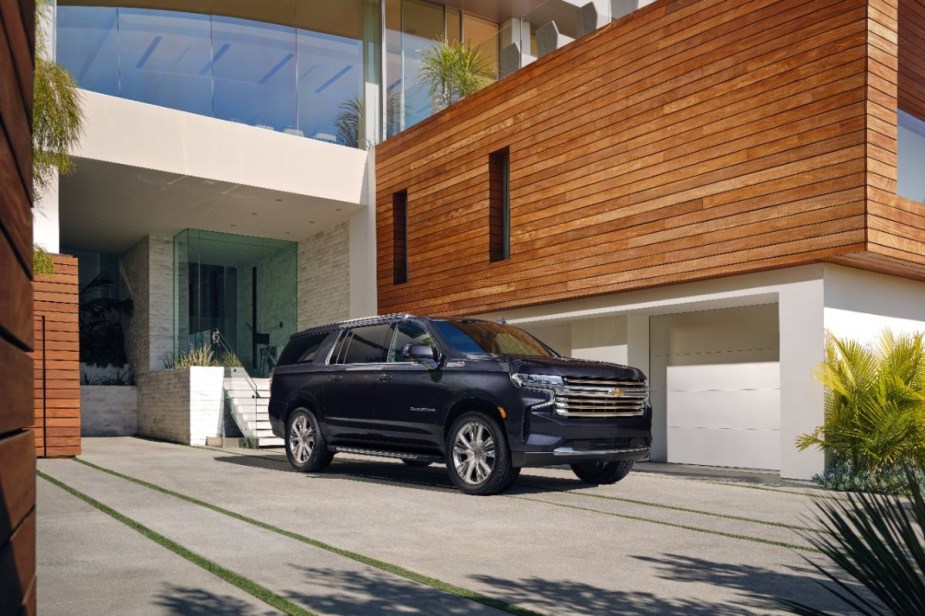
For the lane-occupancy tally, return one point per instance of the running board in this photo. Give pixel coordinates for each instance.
(384, 453)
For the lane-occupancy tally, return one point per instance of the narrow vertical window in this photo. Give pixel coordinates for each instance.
(400, 237)
(499, 214)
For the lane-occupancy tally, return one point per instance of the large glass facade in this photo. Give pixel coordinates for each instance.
(310, 68)
(412, 27)
(242, 287)
(911, 157)
(297, 67)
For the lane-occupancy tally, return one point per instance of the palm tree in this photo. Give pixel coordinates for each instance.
(874, 404)
(453, 70)
(56, 115)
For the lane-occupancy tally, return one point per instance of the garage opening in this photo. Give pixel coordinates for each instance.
(715, 384)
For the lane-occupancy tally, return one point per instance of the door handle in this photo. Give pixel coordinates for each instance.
(384, 377)
(335, 378)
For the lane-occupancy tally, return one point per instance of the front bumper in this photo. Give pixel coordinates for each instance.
(549, 439)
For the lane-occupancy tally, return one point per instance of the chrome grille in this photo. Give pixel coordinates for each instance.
(594, 397)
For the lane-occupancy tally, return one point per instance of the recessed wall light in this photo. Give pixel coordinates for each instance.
(253, 213)
(278, 200)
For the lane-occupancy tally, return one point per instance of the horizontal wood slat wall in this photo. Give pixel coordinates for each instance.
(896, 225)
(911, 35)
(17, 451)
(690, 139)
(57, 405)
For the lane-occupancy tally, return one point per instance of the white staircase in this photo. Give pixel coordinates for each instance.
(250, 410)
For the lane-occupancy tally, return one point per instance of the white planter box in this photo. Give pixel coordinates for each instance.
(183, 406)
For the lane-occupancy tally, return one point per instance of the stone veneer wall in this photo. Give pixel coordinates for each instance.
(324, 277)
(108, 410)
(147, 271)
(182, 406)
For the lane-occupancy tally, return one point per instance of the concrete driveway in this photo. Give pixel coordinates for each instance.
(140, 527)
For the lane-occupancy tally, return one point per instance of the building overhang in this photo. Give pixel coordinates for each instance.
(147, 170)
(108, 207)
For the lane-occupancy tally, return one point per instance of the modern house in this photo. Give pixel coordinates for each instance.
(224, 178)
(701, 188)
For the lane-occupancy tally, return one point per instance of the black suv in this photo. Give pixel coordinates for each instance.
(484, 397)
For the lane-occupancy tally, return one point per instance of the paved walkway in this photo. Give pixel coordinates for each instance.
(376, 537)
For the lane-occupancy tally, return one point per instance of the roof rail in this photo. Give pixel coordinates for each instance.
(373, 320)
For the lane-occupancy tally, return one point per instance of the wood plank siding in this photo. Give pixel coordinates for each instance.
(57, 361)
(896, 80)
(17, 452)
(691, 139)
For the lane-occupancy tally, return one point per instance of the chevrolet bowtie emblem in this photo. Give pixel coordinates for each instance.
(616, 392)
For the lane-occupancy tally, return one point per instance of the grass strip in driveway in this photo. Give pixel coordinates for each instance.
(355, 556)
(539, 490)
(723, 516)
(253, 588)
(696, 529)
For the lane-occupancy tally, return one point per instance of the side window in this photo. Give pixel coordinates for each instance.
(407, 332)
(302, 349)
(362, 345)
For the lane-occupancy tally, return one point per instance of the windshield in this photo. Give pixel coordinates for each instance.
(480, 337)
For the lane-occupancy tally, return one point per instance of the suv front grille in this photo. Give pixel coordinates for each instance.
(595, 397)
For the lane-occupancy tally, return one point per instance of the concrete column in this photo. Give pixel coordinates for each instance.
(362, 258)
(802, 347)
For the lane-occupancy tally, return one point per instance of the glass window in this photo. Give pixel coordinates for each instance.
(302, 349)
(166, 58)
(364, 345)
(480, 337)
(483, 34)
(408, 332)
(254, 69)
(331, 103)
(87, 46)
(910, 157)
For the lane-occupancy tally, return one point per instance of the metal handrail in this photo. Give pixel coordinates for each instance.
(219, 339)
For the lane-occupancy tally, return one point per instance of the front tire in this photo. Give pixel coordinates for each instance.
(602, 473)
(305, 445)
(477, 456)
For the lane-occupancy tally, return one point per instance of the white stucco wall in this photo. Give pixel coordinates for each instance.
(128, 132)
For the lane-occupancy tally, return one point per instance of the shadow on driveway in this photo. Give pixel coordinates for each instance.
(433, 477)
(198, 602)
(760, 590)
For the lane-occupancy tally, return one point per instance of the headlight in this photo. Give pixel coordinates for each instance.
(538, 381)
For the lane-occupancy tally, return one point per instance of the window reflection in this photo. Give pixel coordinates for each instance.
(253, 66)
(911, 157)
(412, 26)
(303, 67)
(87, 46)
(164, 54)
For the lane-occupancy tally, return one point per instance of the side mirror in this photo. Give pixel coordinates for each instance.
(422, 354)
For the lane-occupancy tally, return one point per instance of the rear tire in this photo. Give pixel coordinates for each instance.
(477, 455)
(602, 473)
(305, 444)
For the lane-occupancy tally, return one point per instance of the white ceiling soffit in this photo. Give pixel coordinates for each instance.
(108, 207)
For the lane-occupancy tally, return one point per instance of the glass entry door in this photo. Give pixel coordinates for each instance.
(242, 287)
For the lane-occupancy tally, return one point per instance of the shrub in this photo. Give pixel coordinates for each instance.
(877, 541)
(201, 355)
(874, 404)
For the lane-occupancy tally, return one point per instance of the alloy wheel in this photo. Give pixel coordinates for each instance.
(301, 439)
(474, 453)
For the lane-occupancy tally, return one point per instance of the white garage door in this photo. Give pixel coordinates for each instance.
(716, 387)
